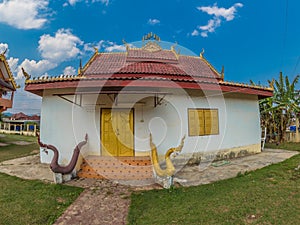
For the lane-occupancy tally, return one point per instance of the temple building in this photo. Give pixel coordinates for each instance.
(120, 98)
(7, 84)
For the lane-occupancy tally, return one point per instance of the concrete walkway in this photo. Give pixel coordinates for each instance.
(107, 202)
(207, 173)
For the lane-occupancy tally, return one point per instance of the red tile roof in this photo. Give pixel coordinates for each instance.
(149, 66)
(117, 63)
(162, 55)
(22, 116)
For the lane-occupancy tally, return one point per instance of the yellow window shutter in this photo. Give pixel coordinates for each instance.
(201, 122)
(208, 121)
(193, 122)
(215, 121)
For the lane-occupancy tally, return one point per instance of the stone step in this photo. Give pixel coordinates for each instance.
(116, 168)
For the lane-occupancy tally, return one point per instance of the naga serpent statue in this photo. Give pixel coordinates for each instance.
(170, 169)
(54, 166)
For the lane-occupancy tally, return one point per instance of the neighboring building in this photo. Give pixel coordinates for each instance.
(119, 98)
(7, 84)
(20, 123)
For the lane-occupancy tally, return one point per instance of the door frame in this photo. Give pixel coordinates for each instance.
(133, 130)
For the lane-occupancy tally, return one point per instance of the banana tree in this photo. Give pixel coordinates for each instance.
(286, 102)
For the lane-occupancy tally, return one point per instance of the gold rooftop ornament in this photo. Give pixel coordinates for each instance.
(150, 36)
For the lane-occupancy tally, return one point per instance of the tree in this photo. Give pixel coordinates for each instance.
(277, 111)
(286, 101)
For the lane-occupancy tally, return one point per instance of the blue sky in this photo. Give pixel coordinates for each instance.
(253, 39)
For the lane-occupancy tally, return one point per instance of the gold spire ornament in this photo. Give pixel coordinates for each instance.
(26, 75)
(201, 54)
(222, 73)
(150, 36)
(80, 66)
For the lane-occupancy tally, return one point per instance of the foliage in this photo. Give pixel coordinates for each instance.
(278, 111)
(266, 196)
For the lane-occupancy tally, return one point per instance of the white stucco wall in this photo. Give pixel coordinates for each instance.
(64, 124)
(238, 124)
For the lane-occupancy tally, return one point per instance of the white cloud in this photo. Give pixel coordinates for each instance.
(210, 27)
(116, 47)
(24, 14)
(105, 2)
(153, 22)
(218, 14)
(73, 2)
(3, 47)
(227, 14)
(35, 67)
(13, 64)
(90, 47)
(195, 33)
(69, 70)
(104, 45)
(61, 47)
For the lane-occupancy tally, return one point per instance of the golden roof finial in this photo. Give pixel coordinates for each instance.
(151, 36)
(173, 46)
(271, 83)
(222, 73)
(80, 67)
(126, 44)
(95, 49)
(201, 54)
(26, 75)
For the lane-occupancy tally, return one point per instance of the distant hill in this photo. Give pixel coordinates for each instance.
(7, 114)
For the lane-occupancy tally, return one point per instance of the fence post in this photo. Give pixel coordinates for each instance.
(297, 139)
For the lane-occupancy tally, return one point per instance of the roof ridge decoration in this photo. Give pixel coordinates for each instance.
(152, 47)
(25, 74)
(246, 85)
(150, 36)
(81, 70)
(11, 76)
(45, 79)
(174, 51)
(211, 66)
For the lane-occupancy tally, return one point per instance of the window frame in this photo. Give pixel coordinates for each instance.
(204, 131)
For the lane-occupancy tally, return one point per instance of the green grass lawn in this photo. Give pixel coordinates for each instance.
(267, 196)
(12, 151)
(30, 202)
(286, 145)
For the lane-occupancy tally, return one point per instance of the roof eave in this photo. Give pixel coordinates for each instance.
(10, 75)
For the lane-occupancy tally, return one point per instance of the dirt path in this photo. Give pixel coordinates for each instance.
(102, 202)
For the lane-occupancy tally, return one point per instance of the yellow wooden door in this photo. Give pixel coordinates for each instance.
(117, 132)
